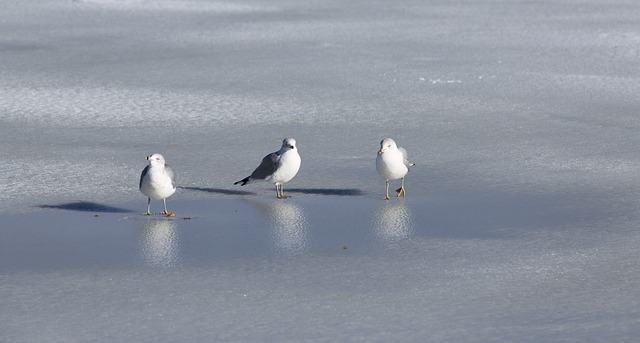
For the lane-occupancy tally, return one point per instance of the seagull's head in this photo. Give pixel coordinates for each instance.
(386, 145)
(289, 143)
(156, 160)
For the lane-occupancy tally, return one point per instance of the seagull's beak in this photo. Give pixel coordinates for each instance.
(148, 158)
(381, 151)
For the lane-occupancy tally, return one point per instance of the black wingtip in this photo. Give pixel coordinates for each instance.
(242, 182)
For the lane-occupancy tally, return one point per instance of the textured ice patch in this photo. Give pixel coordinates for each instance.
(109, 107)
(174, 5)
(37, 182)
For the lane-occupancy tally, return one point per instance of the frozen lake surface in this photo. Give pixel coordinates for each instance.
(521, 217)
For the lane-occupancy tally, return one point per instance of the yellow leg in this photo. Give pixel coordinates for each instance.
(148, 207)
(167, 213)
(280, 192)
(164, 202)
(400, 190)
(387, 188)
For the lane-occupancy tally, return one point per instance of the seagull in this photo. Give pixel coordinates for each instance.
(157, 181)
(278, 167)
(392, 164)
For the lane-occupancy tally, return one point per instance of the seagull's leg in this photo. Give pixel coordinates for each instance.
(167, 213)
(282, 196)
(164, 202)
(400, 190)
(387, 187)
(148, 207)
(280, 192)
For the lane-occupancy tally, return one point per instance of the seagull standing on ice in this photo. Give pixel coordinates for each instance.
(278, 167)
(157, 182)
(392, 164)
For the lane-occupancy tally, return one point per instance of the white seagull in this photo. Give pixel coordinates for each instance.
(157, 182)
(278, 167)
(392, 164)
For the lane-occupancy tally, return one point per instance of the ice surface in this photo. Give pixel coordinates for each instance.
(521, 218)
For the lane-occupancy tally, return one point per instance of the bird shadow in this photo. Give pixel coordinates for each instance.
(217, 190)
(327, 191)
(86, 206)
(316, 191)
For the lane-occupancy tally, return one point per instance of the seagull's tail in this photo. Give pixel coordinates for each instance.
(242, 182)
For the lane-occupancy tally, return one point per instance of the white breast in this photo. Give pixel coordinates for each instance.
(290, 164)
(390, 165)
(157, 184)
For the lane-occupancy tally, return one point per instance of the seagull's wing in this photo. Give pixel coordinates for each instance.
(143, 175)
(267, 167)
(405, 159)
(172, 175)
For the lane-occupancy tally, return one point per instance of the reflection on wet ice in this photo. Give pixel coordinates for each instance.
(159, 243)
(393, 221)
(289, 227)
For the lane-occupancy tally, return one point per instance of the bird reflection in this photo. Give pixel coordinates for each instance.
(289, 227)
(159, 243)
(393, 221)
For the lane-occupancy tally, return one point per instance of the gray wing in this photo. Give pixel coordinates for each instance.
(172, 175)
(143, 175)
(267, 167)
(405, 158)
